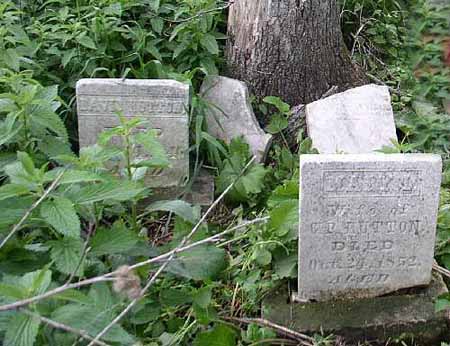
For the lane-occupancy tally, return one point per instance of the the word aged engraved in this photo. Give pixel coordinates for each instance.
(367, 223)
(360, 279)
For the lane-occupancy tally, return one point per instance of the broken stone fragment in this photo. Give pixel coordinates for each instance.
(230, 114)
(357, 121)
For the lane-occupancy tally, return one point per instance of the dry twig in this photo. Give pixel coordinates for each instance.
(111, 276)
(34, 206)
(441, 270)
(171, 257)
(304, 339)
(64, 327)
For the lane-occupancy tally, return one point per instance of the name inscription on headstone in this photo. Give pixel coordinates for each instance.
(367, 223)
(161, 104)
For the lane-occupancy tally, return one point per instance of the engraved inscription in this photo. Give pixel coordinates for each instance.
(131, 105)
(367, 224)
(372, 183)
(162, 104)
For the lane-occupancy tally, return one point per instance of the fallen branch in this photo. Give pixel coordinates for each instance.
(171, 257)
(53, 292)
(281, 330)
(110, 276)
(34, 206)
(211, 239)
(441, 270)
(83, 253)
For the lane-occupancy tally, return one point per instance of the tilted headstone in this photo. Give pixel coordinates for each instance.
(359, 120)
(161, 103)
(230, 114)
(367, 223)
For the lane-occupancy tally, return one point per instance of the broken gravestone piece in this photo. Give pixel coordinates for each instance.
(230, 114)
(367, 224)
(161, 103)
(359, 120)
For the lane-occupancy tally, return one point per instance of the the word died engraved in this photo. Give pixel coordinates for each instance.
(367, 223)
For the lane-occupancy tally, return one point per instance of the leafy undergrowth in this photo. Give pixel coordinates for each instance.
(69, 219)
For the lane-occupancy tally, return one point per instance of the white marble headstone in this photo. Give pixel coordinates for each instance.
(359, 120)
(367, 223)
(231, 115)
(161, 103)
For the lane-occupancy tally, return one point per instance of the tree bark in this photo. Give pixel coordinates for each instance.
(289, 48)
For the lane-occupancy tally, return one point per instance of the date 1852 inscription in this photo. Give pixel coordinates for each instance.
(361, 183)
(366, 222)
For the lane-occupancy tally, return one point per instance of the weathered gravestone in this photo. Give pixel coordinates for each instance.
(359, 120)
(230, 114)
(367, 224)
(161, 103)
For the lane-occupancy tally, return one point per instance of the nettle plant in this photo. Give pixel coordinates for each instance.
(72, 221)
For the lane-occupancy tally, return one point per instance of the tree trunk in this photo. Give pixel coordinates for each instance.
(289, 48)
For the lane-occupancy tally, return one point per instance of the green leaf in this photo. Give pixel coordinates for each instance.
(71, 176)
(157, 24)
(252, 181)
(92, 319)
(27, 162)
(175, 296)
(12, 190)
(285, 266)
(178, 207)
(193, 264)
(116, 191)
(203, 297)
(36, 282)
(118, 239)
(284, 216)
(277, 124)
(22, 331)
(9, 128)
(44, 116)
(149, 140)
(60, 213)
(10, 214)
(209, 42)
(262, 256)
(86, 41)
(67, 57)
(6, 159)
(220, 335)
(145, 313)
(442, 303)
(11, 58)
(12, 291)
(283, 107)
(66, 253)
(18, 175)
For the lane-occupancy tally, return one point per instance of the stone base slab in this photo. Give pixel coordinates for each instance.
(201, 191)
(407, 315)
